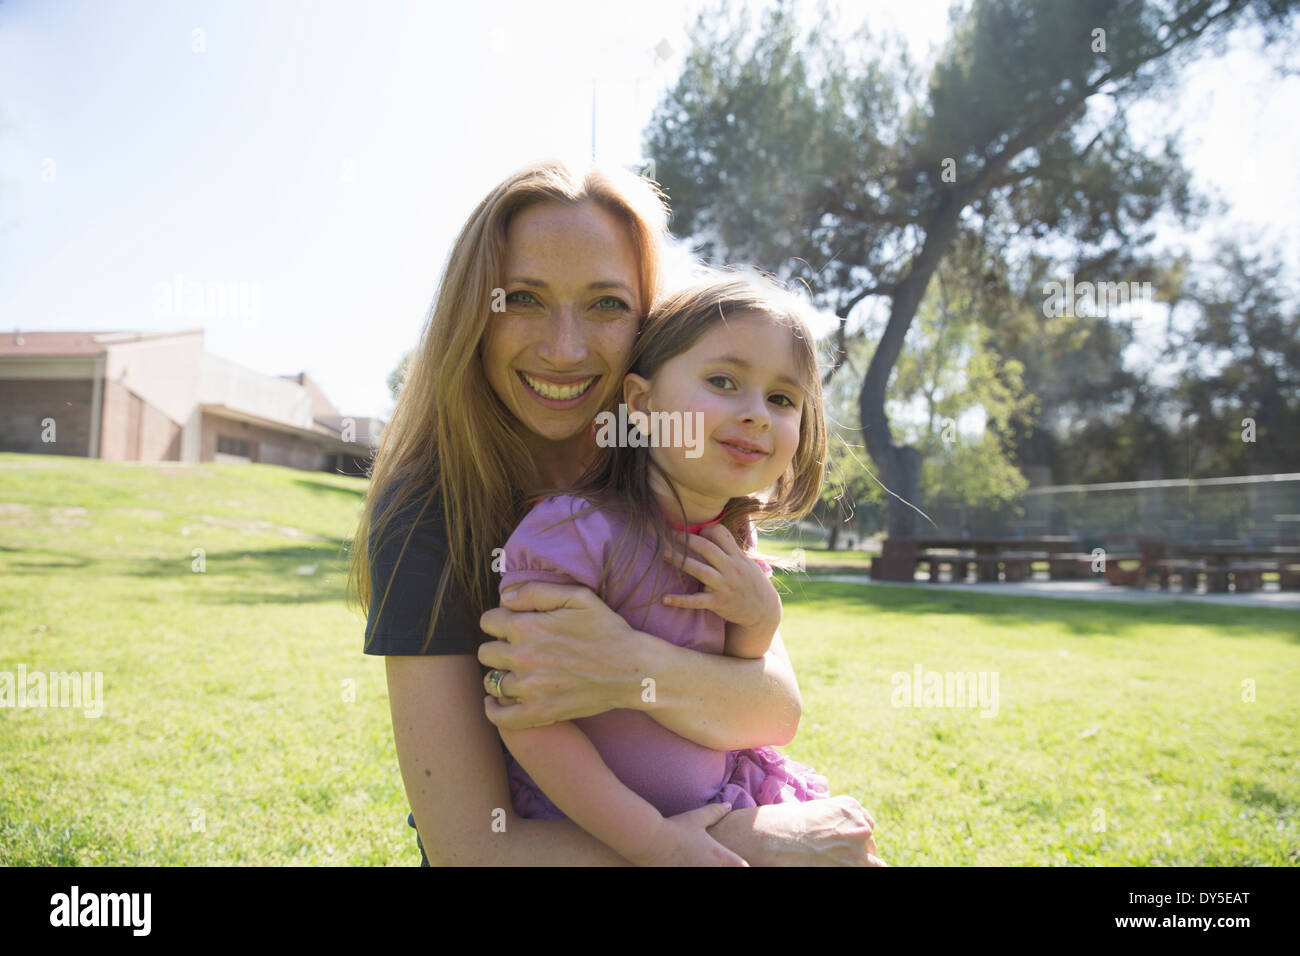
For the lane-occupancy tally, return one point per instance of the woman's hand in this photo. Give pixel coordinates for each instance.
(684, 840)
(566, 653)
(833, 832)
(735, 587)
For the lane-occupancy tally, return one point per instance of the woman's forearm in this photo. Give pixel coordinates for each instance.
(582, 659)
(721, 702)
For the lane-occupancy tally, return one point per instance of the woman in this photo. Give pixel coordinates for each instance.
(530, 333)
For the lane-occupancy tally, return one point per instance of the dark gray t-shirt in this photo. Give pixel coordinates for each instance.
(401, 626)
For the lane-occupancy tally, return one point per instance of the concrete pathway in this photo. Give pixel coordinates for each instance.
(1087, 591)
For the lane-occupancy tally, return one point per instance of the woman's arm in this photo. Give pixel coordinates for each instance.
(579, 658)
(832, 832)
(455, 776)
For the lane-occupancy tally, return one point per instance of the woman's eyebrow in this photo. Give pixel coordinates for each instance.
(741, 363)
(610, 285)
(596, 286)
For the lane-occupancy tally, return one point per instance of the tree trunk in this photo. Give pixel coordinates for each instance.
(900, 465)
(835, 536)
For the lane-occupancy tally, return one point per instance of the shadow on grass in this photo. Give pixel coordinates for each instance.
(1085, 618)
(1257, 795)
(38, 566)
(263, 576)
(60, 558)
(312, 485)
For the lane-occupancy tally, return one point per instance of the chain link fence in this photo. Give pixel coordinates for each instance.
(1257, 510)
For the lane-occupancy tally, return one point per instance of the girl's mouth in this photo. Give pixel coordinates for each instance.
(743, 455)
(557, 396)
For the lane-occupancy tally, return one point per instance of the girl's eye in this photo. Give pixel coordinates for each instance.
(718, 378)
(789, 402)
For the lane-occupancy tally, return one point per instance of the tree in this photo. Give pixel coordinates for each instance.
(1239, 385)
(397, 377)
(947, 369)
(827, 162)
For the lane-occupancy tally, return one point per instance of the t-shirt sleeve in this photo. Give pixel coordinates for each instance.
(398, 628)
(560, 541)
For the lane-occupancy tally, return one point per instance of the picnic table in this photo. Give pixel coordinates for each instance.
(1148, 550)
(1245, 564)
(988, 555)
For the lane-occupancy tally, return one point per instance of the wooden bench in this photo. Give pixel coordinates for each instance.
(1247, 576)
(957, 562)
(1061, 566)
(1019, 565)
(1188, 573)
(1121, 576)
(986, 567)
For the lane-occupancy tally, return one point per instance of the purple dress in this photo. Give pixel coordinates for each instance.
(671, 772)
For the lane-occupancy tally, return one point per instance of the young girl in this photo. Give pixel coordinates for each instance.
(725, 396)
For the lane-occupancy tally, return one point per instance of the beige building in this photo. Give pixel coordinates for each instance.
(157, 396)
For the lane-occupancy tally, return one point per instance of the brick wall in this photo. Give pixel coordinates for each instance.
(135, 430)
(26, 402)
(265, 445)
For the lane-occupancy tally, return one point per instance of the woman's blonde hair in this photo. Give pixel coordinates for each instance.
(450, 433)
(620, 479)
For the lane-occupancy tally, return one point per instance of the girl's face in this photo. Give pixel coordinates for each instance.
(572, 309)
(741, 376)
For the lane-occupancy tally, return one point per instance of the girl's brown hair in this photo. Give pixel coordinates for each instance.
(620, 479)
(450, 434)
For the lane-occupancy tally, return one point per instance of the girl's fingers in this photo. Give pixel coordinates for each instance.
(706, 575)
(721, 537)
(693, 602)
(705, 549)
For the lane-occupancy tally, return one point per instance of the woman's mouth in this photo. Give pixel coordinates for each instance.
(557, 395)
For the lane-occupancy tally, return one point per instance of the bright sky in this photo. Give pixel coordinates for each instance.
(311, 162)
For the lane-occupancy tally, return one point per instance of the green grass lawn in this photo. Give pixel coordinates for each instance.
(241, 723)
(815, 555)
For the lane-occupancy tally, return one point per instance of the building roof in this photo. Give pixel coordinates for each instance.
(73, 343)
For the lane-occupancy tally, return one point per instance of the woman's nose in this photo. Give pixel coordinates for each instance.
(565, 344)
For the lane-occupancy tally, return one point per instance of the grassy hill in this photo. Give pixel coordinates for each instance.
(241, 724)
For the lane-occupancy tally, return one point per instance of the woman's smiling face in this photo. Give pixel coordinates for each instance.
(572, 310)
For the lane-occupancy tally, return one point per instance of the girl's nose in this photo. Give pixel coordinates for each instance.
(755, 411)
(565, 344)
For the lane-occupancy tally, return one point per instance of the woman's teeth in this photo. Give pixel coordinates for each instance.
(557, 392)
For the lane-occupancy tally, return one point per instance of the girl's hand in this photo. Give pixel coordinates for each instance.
(567, 656)
(735, 587)
(684, 840)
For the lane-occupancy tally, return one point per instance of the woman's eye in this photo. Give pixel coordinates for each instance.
(612, 302)
(521, 298)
